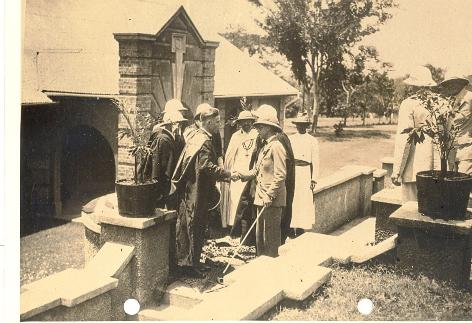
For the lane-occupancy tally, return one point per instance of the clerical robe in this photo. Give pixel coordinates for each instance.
(237, 158)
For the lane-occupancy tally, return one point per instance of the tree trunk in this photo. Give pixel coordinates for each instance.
(348, 102)
(443, 167)
(315, 109)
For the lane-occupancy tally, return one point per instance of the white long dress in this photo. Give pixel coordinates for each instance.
(237, 158)
(305, 148)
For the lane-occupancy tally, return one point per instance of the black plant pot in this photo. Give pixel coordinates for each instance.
(443, 198)
(136, 200)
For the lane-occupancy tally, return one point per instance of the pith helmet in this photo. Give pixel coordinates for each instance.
(302, 119)
(266, 114)
(174, 105)
(245, 115)
(452, 84)
(205, 110)
(420, 76)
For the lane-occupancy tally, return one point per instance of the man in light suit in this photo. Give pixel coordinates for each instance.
(410, 159)
(270, 172)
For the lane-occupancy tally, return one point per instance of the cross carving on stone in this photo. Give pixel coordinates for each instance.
(178, 67)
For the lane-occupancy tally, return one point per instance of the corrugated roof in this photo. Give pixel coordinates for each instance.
(69, 47)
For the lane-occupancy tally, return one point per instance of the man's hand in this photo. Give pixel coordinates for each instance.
(395, 180)
(266, 201)
(312, 185)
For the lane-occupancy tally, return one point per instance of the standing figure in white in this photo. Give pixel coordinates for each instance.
(307, 167)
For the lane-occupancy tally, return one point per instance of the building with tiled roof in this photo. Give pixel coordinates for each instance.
(74, 61)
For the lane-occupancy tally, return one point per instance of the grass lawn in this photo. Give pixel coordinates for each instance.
(395, 297)
(357, 145)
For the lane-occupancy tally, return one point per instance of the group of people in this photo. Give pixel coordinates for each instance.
(264, 172)
(409, 159)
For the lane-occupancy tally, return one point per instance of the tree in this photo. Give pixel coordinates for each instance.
(310, 32)
(355, 75)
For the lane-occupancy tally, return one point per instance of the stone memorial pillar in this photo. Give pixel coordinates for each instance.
(437, 248)
(150, 238)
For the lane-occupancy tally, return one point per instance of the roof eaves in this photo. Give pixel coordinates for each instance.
(51, 93)
(232, 95)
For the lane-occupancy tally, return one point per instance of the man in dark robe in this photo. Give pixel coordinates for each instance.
(160, 163)
(246, 212)
(193, 182)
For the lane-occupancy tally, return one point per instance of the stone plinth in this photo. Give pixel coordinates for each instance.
(384, 203)
(437, 248)
(150, 237)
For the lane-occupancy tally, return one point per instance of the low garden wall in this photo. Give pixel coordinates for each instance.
(343, 196)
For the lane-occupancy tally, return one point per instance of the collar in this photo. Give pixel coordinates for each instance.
(271, 138)
(167, 131)
(205, 131)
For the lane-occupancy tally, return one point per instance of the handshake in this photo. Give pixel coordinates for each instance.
(235, 175)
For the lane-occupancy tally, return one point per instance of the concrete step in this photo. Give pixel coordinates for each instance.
(244, 300)
(181, 295)
(163, 312)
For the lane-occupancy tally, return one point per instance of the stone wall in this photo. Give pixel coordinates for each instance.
(342, 196)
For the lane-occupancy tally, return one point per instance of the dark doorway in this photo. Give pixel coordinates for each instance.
(87, 168)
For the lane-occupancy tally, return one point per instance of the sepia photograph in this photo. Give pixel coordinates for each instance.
(287, 160)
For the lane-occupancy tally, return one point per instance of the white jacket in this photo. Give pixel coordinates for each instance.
(411, 159)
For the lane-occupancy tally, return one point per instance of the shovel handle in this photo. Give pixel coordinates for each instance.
(245, 237)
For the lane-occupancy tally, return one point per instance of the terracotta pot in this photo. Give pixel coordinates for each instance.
(443, 198)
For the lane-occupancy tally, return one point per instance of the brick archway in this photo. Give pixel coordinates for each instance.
(87, 167)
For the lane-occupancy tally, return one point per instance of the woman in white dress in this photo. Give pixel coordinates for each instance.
(237, 158)
(306, 153)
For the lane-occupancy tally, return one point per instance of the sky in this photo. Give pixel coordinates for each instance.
(421, 31)
(427, 31)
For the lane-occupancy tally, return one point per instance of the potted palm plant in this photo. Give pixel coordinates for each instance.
(136, 196)
(441, 193)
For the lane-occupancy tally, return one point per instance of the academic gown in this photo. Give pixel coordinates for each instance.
(194, 178)
(160, 164)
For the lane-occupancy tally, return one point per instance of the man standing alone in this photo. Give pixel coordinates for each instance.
(305, 150)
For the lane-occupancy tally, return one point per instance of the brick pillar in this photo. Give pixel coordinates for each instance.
(208, 61)
(135, 68)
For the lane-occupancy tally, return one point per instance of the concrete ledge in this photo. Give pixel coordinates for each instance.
(110, 260)
(370, 252)
(388, 196)
(136, 223)
(380, 173)
(86, 287)
(337, 178)
(70, 287)
(245, 300)
(87, 221)
(36, 302)
(407, 215)
(257, 266)
(298, 286)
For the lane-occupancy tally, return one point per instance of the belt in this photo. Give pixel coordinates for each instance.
(299, 162)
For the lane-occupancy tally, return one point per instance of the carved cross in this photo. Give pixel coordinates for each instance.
(178, 67)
